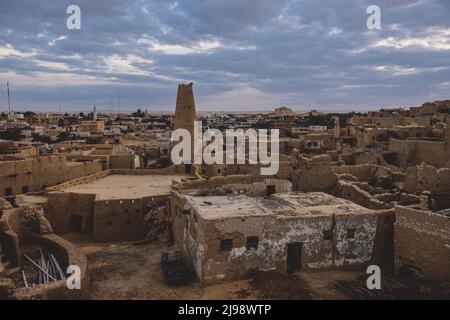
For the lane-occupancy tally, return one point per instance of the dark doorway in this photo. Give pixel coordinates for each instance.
(294, 257)
(89, 223)
(187, 168)
(75, 223)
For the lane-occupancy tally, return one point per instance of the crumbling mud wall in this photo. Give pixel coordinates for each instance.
(413, 152)
(313, 174)
(118, 220)
(35, 174)
(68, 254)
(16, 224)
(107, 220)
(428, 178)
(200, 240)
(70, 212)
(422, 243)
(372, 186)
(27, 226)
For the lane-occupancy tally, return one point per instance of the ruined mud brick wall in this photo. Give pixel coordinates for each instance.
(108, 220)
(352, 192)
(428, 178)
(35, 174)
(389, 122)
(118, 220)
(214, 182)
(284, 170)
(317, 143)
(308, 175)
(200, 241)
(67, 254)
(18, 228)
(413, 152)
(422, 243)
(64, 207)
(103, 159)
(353, 185)
(122, 161)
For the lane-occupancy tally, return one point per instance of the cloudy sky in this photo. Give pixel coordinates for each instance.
(240, 54)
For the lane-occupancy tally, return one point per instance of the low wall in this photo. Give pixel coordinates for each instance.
(68, 254)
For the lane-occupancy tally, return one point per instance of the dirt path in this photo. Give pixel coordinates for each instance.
(125, 271)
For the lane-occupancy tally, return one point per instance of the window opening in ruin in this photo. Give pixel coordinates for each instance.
(252, 243)
(109, 223)
(25, 189)
(226, 245)
(350, 233)
(128, 222)
(8, 192)
(326, 234)
(270, 190)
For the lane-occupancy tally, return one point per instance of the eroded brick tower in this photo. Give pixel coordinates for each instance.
(185, 115)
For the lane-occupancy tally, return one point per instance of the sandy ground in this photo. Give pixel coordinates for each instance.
(127, 271)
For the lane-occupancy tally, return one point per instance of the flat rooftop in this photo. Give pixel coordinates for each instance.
(280, 204)
(117, 186)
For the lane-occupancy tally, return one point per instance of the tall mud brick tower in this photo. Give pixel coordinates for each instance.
(185, 115)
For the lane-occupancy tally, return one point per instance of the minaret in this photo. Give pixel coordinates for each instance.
(337, 127)
(94, 113)
(185, 115)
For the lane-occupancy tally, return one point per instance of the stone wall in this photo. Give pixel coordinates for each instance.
(428, 178)
(35, 174)
(422, 243)
(413, 152)
(118, 220)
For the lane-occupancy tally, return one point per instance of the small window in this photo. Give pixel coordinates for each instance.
(8, 192)
(350, 233)
(270, 190)
(252, 243)
(128, 222)
(226, 245)
(327, 235)
(25, 189)
(109, 223)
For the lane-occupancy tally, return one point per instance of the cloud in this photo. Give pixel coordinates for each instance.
(241, 55)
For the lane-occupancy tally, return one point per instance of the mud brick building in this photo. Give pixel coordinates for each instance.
(230, 236)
